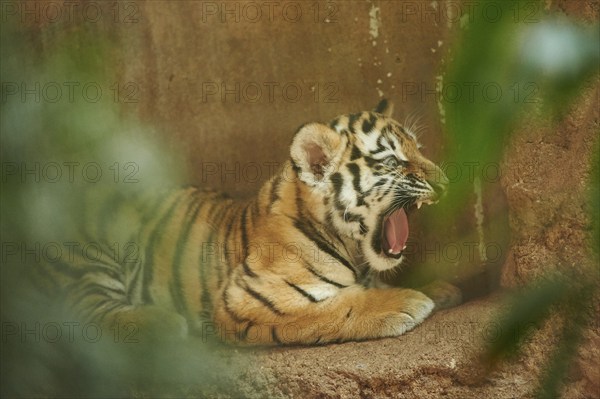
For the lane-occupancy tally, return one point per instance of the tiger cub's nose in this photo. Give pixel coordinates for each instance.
(438, 181)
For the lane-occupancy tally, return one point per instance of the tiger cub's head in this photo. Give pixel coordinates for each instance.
(370, 174)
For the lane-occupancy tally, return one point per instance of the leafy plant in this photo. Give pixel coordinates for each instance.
(558, 56)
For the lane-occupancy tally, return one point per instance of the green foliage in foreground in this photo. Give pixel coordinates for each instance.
(47, 352)
(557, 56)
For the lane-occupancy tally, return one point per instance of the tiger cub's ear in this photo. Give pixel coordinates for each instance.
(315, 151)
(385, 108)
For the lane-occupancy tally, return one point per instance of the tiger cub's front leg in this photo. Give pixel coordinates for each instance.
(355, 313)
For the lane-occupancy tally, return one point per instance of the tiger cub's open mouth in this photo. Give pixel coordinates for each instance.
(395, 230)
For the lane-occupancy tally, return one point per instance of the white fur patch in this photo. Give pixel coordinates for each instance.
(347, 195)
(321, 291)
(369, 141)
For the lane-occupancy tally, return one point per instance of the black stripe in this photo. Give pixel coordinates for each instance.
(296, 168)
(111, 308)
(355, 171)
(234, 316)
(321, 277)
(151, 213)
(380, 146)
(274, 336)
(244, 334)
(351, 120)
(206, 267)
(152, 244)
(353, 217)
(371, 162)
(111, 270)
(95, 290)
(134, 286)
(116, 291)
(274, 192)
(349, 313)
(175, 285)
(299, 201)
(355, 154)
(301, 291)
(303, 217)
(338, 181)
(244, 229)
(381, 182)
(376, 243)
(310, 233)
(392, 144)
(382, 106)
(363, 228)
(254, 212)
(387, 190)
(368, 124)
(263, 300)
(329, 222)
(230, 264)
(334, 123)
(77, 271)
(247, 269)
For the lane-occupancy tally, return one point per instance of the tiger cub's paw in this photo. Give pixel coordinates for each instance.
(443, 294)
(414, 307)
(152, 323)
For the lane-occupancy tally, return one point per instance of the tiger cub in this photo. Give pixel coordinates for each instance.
(295, 264)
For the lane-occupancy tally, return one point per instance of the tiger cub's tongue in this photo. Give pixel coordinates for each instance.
(396, 231)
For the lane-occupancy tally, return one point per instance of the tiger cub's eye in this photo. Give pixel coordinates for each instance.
(390, 162)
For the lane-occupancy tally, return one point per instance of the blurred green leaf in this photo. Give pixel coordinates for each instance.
(559, 56)
(35, 133)
(552, 59)
(502, 68)
(527, 310)
(576, 317)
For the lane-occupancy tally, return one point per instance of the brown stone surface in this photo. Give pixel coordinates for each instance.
(178, 52)
(547, 166)
(439, 359)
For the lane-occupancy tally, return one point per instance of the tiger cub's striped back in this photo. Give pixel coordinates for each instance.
(291, 265)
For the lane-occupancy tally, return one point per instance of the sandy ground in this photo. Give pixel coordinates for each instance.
(394, 367)
(436, 359)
